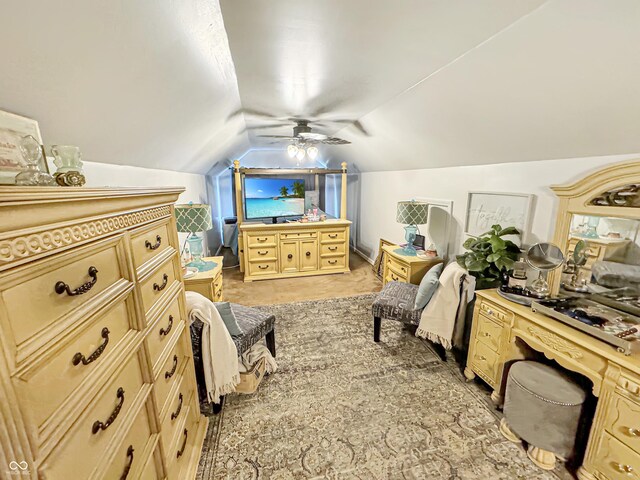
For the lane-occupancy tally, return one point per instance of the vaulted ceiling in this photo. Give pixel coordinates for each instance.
(432, 82)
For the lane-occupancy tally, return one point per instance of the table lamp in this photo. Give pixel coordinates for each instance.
(411, 214)
(193, 218)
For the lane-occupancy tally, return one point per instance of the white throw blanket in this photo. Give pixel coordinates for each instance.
(438, 318)
(219, 353)
(253, 355)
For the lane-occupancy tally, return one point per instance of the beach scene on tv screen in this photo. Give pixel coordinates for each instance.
(273, 197)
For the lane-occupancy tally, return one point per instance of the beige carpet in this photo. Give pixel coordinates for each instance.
(343, 407)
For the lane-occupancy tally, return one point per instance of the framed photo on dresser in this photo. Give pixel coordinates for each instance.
(13, 128)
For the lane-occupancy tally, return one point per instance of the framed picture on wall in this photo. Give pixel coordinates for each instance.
(12, 129)
(506, 209)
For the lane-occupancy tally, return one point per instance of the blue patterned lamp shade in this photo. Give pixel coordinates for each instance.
(412, 213)
(193, 218)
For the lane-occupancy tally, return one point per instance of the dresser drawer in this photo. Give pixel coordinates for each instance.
(263, 253)
(394, 277)
(489, 332)
(333, 236)
(178, 406)
(493, 312)
(217, 289)
(623, 421)
(157, 284)
(331, 249)
(163, 331)
(44, 293)
(485, 362)
(80, 442)
(149, 241)
(263, 268)
(296, 235)
(170, 375)
(130, 455)
(261, 240)
(397, 267)
(616, 461)
(151, 471)
(331, 263)
(183, 446)
(48, 384)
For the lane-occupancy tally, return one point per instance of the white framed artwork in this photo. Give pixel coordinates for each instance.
(12, 129)
(506, 209)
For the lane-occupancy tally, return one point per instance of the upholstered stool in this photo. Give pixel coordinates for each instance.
(542, 407)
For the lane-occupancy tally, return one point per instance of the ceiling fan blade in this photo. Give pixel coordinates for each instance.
(356, 123)
(335, 141)
(327, 107)
(313, 136)
(270, 125)
(250, 111)
(277, 136)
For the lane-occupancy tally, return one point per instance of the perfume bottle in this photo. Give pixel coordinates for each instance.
(518, 276)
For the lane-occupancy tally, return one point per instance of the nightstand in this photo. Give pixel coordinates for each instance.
(402, 268)
(207, 283)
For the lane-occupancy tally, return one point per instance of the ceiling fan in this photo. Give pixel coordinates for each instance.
(302, 134)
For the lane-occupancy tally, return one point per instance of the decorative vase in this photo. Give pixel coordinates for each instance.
(31, 151)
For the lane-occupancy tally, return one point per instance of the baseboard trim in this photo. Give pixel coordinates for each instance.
(362, 255)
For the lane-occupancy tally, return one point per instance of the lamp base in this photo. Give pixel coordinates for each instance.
(201, 265)
(408, 251)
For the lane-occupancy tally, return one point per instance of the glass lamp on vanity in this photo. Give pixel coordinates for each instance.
(411, 214)
(193, 218)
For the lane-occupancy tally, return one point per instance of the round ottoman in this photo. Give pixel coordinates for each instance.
(542, 407)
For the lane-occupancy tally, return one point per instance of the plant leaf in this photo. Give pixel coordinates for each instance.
(509, 231)
(497, 243)
(460, 259)
(476, 264)
(504, 263)
(469, 243)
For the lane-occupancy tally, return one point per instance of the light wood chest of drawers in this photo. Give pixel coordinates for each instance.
(96, 371)
(402, 268)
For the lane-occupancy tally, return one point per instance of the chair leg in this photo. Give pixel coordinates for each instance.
(377, 321)
(217, 407)
(271, 342)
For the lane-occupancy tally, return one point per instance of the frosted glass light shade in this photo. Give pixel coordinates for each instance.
(292, 150)
(312, 152)
(300, 154)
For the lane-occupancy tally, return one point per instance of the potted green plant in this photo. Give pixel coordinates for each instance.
(489, 255)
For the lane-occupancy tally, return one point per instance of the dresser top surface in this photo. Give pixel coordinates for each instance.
(391, 250)
(209, 274)
(286, 226)
(13, 193)
(631, 362)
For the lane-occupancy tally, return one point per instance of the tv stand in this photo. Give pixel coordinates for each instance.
(274, 220)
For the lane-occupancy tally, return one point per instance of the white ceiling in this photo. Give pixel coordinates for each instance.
(435, 82)
(138, 82)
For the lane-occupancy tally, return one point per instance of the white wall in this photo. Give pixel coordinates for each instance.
(380, 192)
(104, 174)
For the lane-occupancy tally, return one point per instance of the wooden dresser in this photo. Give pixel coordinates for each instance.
(402, 268)
(503, 332)
(295, 249)
(96, 371)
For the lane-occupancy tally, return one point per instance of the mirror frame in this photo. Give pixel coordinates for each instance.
(578, 198)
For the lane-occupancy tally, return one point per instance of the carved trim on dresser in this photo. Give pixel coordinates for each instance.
(625, 196)
(556, 343)
(23, 246)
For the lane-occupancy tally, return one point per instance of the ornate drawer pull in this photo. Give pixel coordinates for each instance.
(98, 425)
(263, 253)
(482, 358)
(62, 287)
(79, 357)
(632, 432)
(262, 239)
(333, 262)
(333, 235)
(489, 311)
(333, 248)
(263, 267)
(168, 375)
(308, 254)
(175, 414)
(623, 468)
(485, 334)
(157, 244)
(127, 467)
(290, 256)
(184, 443)
(159, 288)
(165, 331)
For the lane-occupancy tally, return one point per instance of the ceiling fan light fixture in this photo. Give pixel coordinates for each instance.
(312, 152)
(292, 150)
(300, 153)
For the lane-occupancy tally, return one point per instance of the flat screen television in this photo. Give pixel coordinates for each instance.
(267, 197)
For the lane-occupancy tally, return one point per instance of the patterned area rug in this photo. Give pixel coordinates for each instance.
(343, 407)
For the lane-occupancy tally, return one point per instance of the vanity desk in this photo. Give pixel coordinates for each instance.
(504, 332)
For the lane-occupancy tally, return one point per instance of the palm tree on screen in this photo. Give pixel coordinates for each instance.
(284, 191)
